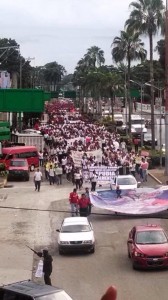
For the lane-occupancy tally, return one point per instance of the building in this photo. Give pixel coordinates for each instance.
(5, 81)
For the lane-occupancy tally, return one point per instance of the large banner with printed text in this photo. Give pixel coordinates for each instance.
(105, 175)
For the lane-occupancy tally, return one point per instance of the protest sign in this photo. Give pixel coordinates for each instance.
(77, 156)
(105, 174)
(39, 271)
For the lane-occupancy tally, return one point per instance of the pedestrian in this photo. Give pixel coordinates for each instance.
(144, 169)
(83, 205)
(47, 265)
(77, 177)
(74, 199)
(88, 196)
(59, 174)
(40, 158)
(136, 144)
(37, 179)
(94, 181)
(51, 175)
(118, 192)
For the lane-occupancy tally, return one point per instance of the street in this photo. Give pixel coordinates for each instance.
(83, 276)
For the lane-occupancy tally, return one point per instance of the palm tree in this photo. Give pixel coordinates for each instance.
(94, 56)
(147, 17)
(53, 73)
(128, 47)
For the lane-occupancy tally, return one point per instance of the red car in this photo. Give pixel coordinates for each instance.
(18, 169)
(148, 247)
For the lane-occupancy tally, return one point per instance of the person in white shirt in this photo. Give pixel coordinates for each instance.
(41, 158)
(37, 179)
(51, 175)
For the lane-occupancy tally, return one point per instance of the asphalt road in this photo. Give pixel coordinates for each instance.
(83, 276)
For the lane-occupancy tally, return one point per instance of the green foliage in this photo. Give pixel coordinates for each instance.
(160, 48)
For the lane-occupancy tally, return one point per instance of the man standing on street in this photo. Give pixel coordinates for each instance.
(37, 179)
(83, 206)
(73, 199)
(47, 265)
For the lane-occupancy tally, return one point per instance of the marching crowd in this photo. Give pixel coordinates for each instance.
(67, 133)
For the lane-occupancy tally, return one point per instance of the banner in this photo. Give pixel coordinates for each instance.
(39, 271)
(77, 156)
(133, 202)
(106, 175)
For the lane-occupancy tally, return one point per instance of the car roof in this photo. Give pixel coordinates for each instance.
(148, 227)
(125, 176)
(75, 220)
(31, 288)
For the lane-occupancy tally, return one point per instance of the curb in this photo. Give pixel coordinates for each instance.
(155, 178)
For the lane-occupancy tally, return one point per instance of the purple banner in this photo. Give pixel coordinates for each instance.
(134, 202)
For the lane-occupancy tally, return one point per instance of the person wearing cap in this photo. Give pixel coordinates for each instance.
(47, 265)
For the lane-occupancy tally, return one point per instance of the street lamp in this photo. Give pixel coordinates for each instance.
(160, 133)
(141, 85)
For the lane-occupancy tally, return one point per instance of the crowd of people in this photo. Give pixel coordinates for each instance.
(67, 132)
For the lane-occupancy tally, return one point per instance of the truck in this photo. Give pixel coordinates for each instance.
(28, 140)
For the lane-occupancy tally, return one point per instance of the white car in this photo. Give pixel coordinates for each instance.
(76, 234)
(125, 182)
(31, 131)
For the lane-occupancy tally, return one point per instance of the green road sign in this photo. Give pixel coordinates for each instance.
(23, 100)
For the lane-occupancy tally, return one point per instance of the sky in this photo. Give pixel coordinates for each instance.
(63, 30)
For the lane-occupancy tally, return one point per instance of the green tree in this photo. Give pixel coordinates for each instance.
(147, 17)
(94, 57)
(128, 47)
(53, 73)
(160, 48)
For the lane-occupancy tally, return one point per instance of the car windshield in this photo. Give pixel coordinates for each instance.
(75, 228)
(17, 163)
(151, 237)
(126, 181)
(136, 122)
(147, 136)
(56, 296)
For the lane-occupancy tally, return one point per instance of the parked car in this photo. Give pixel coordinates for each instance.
(76, 234)
(27, 152)
(19, 169)
(148, 139)
(148, 247)
(125, 182)
(29, 290)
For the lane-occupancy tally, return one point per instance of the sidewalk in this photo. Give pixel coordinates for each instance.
(158, 175)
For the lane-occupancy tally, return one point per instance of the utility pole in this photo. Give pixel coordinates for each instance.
(166, 89)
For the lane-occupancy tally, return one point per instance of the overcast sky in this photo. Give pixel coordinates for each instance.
(63, 30)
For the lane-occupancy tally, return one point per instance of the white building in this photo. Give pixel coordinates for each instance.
(5, 81)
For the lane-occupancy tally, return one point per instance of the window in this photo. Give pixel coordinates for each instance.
(75, 228)
(28, 154)
(151, 237)
(17, 163)
(6, 295)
